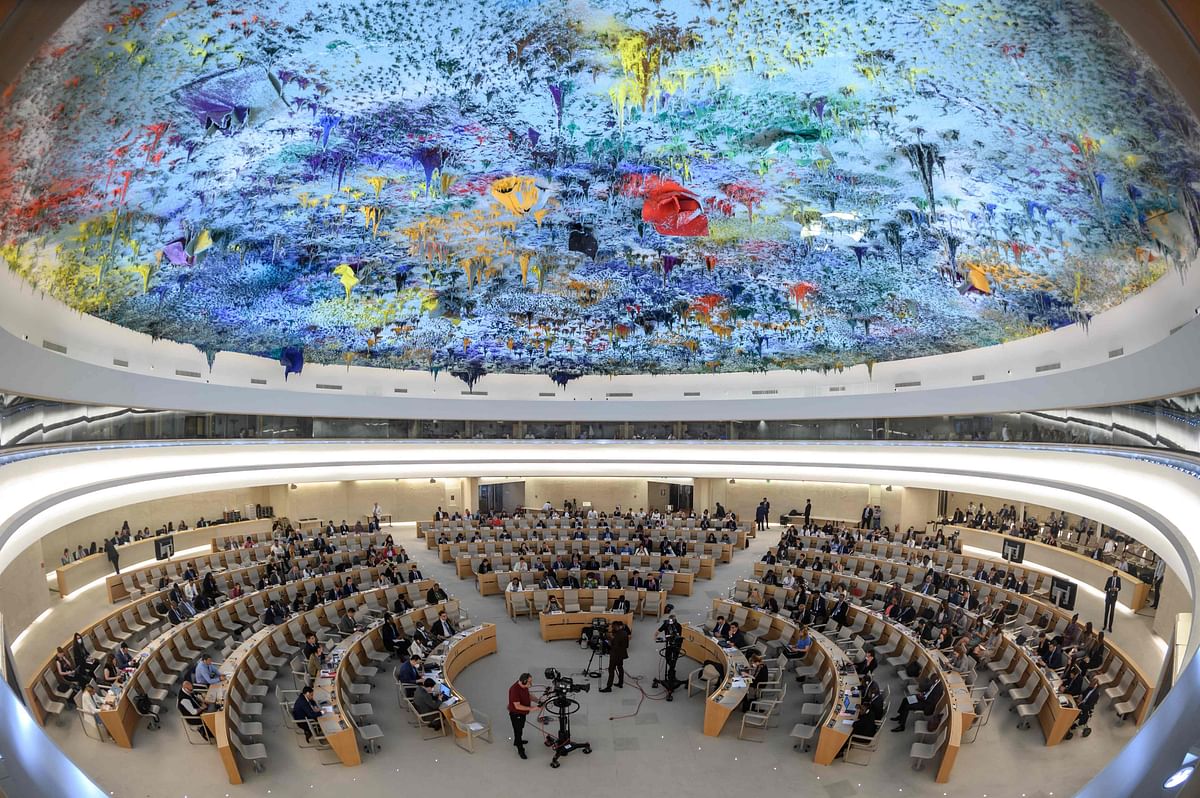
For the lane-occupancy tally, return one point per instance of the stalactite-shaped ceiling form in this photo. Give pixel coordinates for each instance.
(570, 188)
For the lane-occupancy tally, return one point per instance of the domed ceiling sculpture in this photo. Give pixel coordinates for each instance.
(570, 188)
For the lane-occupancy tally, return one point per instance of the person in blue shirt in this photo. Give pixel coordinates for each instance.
(410, 672)
(206, 673)
(798, 650)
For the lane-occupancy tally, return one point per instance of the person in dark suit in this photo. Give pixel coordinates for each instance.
(618, 651)
(442, 628)
(621, 604)
(548, 582)
(870, 714)
(413, 574)
(305, 712)
(636, 581)
(720, 628)
(925, 701)
(436, 595)
(867, 667)
(1086, 703)
(409, 672)
(389, 635)
(1112, 590)
(807, 511)
(735, 637)
(841, 611)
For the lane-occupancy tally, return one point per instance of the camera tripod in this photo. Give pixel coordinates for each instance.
(563, 707)
(598, 655)
(670, 653)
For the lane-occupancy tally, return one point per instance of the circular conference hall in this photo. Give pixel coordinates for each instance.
(739, 396)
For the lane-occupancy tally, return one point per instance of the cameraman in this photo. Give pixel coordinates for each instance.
(520, 704)
(618, 650)
(670, 627)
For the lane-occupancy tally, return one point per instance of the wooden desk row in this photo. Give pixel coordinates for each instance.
(467, 565)
(674, 582)
(130, 621)
(737, 537)
(220, 559)
(526, 601)
(338, 726)
(82, 572)
(943, 558)
(570, 625)
(1134, 592)
(180, 644)
(836, 726)
(429, 530)
(721, 552)
(1029, 607)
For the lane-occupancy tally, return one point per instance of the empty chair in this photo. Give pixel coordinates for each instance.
(254, 753)
(1110, 674)
(818, 689)
(704, 678)
(811, 720)
(1029, 710)
(923, 752)
(469, 725)
(1009, 679)
(115, 631)
(1121, 688)
(245, 727)
(370, 734)
(1126, 708)
(49, 705)
(129, 618)
(571, 600)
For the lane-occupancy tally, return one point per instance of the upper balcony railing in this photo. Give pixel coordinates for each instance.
(1172, 423)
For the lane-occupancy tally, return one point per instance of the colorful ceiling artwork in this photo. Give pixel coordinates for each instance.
(567, 187)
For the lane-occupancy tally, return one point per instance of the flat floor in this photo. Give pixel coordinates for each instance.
(636, 736)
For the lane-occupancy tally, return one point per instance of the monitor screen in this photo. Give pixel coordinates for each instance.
(1013, 550)
(1062, 592)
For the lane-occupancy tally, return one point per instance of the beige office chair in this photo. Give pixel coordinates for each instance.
(469, 725)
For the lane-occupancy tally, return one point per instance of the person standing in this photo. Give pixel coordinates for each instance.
(760, 516)
(110, 549)
(807, 511)
(618, 651)
(1160, 571)
(519, 705)
(766, 505)
(1112, 589)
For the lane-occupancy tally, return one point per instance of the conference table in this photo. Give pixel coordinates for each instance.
(733, 688)
(570, 625)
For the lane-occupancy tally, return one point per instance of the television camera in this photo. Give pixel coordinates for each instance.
(557, 699)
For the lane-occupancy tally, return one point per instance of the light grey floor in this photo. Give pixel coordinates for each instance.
(636, 736)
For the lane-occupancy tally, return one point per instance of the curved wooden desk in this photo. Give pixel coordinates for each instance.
(1134, 592)
(837, 727)
(522, 601)
(1029, 606)
(960, 707)
(729, 695)
(461, 650)
(82, 572)
(570, 625)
